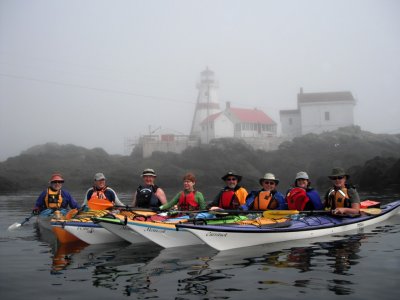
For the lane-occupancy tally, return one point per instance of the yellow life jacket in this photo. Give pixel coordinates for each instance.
(338, 198)
(53, 199)
(262, 200)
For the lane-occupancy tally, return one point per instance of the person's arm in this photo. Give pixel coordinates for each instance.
(354, 199)
(200, 200)
(70, 201)
(39, 204)
(315, 199)
(171, 203)
(161, 196)
(134, 201)
(281, 201)
(249, 201)
(117, 202)
(214, 204)
(87, 196)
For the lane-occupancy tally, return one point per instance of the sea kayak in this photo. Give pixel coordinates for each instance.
(224, 237)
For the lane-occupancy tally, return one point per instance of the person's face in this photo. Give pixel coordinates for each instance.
(339, 181)
(100, 183)
(188, 185)
(268, 185)
(148, 180)
(231, 182)
(301, 182)
(56, 185)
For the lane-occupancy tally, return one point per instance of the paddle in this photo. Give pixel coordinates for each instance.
(17, 225)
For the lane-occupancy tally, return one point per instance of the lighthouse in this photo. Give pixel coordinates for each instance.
(207, 101)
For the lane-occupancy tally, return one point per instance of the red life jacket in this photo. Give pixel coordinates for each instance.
(187, 201)
(297, 198)
(228, 200)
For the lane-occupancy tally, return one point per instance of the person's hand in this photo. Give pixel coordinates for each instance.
(215, 208)
(36, 211)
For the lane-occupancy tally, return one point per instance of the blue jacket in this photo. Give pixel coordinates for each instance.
(275, 195)
(68, 200)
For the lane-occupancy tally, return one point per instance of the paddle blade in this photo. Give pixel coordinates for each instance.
(371, 211)
(268, 213)
(14, 226)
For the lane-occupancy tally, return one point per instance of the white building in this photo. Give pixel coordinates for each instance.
(238, 123)
(318, 112)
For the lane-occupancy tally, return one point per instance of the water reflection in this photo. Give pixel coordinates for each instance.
(147, 270)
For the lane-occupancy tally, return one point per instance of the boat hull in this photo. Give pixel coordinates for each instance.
(164, 234)
(90, 232)
(231, 237)
(124, 232)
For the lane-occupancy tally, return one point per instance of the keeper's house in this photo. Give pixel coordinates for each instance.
(318, 112)
(246, 124)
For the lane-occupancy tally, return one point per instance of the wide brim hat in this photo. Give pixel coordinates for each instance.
(302, 175)
(231, 173)
(338, 172)
(268, 176)
(148, 172)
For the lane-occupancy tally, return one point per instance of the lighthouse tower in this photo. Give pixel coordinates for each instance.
(207, 101)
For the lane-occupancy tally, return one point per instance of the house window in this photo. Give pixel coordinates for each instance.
(327, 117)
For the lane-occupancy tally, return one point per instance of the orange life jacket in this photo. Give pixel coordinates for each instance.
(297, 198)
(188, 201)
(98, 200)
(53, 199)
(262, 200)
(338, 198)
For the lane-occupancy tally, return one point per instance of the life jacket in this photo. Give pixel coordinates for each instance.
(262, 200)
(146, 196)
(228, 199)
(188, 201)
(297, 198)
(99, 200)
(338, 198)
(53, 199)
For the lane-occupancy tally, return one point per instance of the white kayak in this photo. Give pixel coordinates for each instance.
(224, 237)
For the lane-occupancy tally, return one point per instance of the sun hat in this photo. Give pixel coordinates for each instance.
(269, 176)
(99, 176)
(338, 172)
(302, 175)
(231, 173)
(148, 172)
(56, 177)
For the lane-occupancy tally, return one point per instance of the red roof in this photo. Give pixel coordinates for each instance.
(251, 116)
(244, 116)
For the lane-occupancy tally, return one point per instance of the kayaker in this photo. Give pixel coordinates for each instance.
(302, 196)
(149, 195)
(188, 199)
(232, 196)
(54, 197)
(266, 198)
(342, 198)
(100, 196)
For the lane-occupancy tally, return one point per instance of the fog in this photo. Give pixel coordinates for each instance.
(96, 73)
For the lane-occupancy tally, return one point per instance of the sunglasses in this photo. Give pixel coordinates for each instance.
(337, 177)
(231, 179)
(57, 181)
(269, 182)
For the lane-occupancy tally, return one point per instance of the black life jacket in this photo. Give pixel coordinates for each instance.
(146, 196)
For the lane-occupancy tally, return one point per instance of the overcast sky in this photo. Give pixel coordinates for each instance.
(96, 72)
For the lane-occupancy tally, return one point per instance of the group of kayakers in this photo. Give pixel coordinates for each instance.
(341, 198)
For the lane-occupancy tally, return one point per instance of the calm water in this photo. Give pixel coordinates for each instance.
(359, 265)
